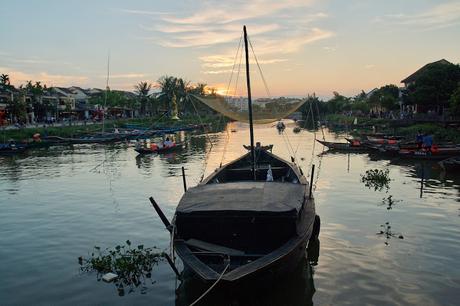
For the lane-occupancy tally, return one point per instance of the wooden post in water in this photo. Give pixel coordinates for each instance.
(423, 178)
(183, 179)
(311, 180)
(248, 82)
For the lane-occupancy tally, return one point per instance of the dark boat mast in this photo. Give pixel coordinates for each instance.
(251, 129)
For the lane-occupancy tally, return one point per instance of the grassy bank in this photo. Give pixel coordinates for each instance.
(78, 130)
(347, 120)
(440, 133)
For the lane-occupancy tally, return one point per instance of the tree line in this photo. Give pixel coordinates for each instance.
(171, 95)
(435, 89)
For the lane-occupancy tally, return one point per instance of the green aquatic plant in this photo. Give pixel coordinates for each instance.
(389, 202)
(131, 266)
(387, 232)
(377, 179)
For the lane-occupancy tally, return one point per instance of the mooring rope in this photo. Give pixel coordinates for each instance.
(212, 286)
(227, 140)
(260, 69)
(209, 139)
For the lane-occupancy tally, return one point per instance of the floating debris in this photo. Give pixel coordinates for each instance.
(377, 179)
(123, 265)
(109, 277)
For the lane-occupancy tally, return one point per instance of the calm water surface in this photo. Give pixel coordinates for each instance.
(57, 203)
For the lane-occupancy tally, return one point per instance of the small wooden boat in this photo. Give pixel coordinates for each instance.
(158, 149)
(434, 154)
(98, 138)
(252, 227)
(12, 148)
(249, 219)
(343, 146)
(450, 164)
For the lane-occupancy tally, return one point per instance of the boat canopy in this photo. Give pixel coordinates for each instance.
(247, 196)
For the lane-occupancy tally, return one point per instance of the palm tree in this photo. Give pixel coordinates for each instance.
(37, 90)
(4, 79)
(175, 89)
(143, 89)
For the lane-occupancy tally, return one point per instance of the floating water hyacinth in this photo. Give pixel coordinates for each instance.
(376, 179)
(389, 202)
(131, 265)
(387, 232)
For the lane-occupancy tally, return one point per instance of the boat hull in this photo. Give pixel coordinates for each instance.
(345, 146)
(269, 273)
(280, 267)
(158, 151)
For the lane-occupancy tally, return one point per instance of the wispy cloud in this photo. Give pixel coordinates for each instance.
(369, 66)
(223, 12)
(330, 49)
(18, 77)
(184, 39)
(276, 29)
(224, 71)
(291, 44)
(126, 76)
(439, 16)
(142, 12)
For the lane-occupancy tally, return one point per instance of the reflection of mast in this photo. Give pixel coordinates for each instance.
(248, 81)
(106, 90)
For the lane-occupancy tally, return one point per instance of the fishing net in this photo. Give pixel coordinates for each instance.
(264, 111)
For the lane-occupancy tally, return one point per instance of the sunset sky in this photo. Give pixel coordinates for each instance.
(303, 46)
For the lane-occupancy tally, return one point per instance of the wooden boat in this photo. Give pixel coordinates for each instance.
(437, 154)
(234, 227)
(12, 148)
(250, 218)
(159, 150)
(342, 146)
(98, 138)
(450, 164)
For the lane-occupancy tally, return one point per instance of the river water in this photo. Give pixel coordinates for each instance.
(57, 203)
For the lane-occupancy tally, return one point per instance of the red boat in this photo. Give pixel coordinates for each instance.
(154, 148)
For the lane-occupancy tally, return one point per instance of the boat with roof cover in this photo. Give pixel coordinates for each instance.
(250, 218)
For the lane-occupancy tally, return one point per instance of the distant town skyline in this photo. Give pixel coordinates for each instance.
(303, 46)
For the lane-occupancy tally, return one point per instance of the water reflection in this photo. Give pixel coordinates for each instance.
(387, 232)
(296, 288)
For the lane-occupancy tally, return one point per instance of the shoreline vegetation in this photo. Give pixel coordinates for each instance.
(26, 133)
(429, 102)
(440, 131)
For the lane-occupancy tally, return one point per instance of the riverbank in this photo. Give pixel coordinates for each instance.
(81, 128)
(440, 132)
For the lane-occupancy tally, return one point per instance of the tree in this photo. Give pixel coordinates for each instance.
(143, 89)
(4, 79)
(434, 85)
(385, 97)
(18, 107)
(338, 103)
(454, 101)
(174, 89)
